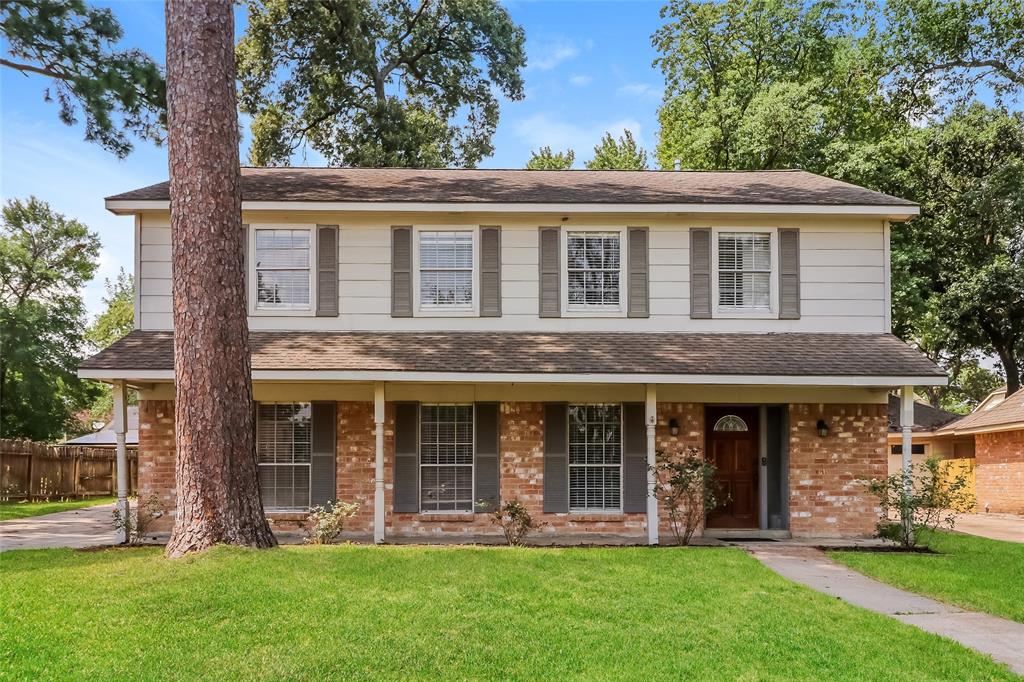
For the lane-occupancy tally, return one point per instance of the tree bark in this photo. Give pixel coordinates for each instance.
(218, 496)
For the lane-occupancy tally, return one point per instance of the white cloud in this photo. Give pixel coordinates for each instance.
(640, 90)
(559, 133)
(547, 55)
(580, 80)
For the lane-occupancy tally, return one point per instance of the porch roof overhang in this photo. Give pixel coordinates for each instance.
(790, 359)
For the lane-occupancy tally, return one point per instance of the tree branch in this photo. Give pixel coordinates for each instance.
(41, 70)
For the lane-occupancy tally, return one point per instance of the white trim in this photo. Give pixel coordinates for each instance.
(892, 212)
(250, 268)
(444, 311)
(618, 310)
(524, 378)
(773, 277)
(887, 274)
(970, 431)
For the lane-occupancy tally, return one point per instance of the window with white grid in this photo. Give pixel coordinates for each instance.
(446, 269)
(594, 267)
(446, 458)
(595, 457)
(282, 269)
(284, 444)
(744, 270)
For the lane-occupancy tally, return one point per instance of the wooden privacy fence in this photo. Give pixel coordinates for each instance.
(30, 470)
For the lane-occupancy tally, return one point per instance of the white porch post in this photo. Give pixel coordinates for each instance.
(378, 473)
(651, 420)
(120, 417)
(907, 424)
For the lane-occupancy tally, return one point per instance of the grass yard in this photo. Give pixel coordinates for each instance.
(969, 571)
(348, 612)
(23, 510)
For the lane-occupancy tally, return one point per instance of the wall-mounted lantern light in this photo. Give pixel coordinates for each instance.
(673, 426)
(822, 428)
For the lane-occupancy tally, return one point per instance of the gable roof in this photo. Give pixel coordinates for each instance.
(393, 355)
(483, 186)
(1007, 415)
(926, 417)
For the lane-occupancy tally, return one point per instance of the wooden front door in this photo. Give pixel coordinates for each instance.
(732, 446)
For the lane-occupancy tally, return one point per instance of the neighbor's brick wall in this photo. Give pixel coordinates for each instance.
(826, 490)
(999, 471)
(156, 457)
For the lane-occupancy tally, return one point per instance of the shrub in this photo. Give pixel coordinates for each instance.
(325, 523)
(685, 486)
(140, 519)
(933, 501)
(515, 521)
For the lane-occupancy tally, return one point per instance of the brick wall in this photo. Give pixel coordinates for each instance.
(827, 496)
(156, 457)
(999, 474)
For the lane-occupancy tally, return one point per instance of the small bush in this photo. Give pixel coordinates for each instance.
(515, 521)
(325, 523)
(685, 486)
(932, 502)
(140, 519)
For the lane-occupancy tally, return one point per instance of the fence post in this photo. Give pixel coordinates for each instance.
(31, 473)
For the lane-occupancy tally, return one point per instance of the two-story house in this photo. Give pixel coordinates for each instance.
(427, 343)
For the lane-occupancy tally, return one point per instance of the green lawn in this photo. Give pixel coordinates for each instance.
(972, 572)
(23, 510)
(444, 612)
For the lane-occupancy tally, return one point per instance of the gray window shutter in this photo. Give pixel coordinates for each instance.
(556, 457)
(322, 481)
(789, 274)
(486, 460)
(407, 459)
(401, 271)
(550, 279)
(634, 458)
(245, 265)
(327, 270)
(700, 272)
(490, 271)
(639, 296)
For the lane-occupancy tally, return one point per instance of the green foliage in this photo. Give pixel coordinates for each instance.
(119, 317)
(389, 83)
(932, 500)
(45, 258)
(119, 92)
(685, 487)
(545, 159)
(140, 519)
(515, 521)
(623, 154)
(325, 523)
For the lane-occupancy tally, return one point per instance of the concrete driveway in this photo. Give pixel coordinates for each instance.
(77, 528)
(996, 526)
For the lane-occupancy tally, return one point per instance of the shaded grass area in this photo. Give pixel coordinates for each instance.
(348, 612)
(23, 510)
(965, 570)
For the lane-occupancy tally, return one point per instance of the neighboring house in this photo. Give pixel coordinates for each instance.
(997, 426)
(106, 437)
(539, 336)
(927, 442)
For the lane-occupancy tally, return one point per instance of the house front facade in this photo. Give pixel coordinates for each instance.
(430, 343)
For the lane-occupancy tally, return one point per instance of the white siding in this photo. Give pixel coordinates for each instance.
(843, 275)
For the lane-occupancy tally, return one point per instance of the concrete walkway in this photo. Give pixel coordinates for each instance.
(1008, 527)
(77, 528)
(999, 638)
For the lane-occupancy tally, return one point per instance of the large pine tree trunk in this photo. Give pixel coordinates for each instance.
(216, 475)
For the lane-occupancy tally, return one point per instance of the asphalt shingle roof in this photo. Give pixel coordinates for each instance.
(1008, 412)
(926, 417)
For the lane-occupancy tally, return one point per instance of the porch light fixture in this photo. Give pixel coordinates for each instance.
(673, 426)
(822, 428)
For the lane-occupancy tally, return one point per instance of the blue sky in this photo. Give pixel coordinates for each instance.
(589, 72)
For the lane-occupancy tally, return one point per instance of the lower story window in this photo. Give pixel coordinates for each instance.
(446, 458)
(283, 449)
(595, 457)
(915, 449)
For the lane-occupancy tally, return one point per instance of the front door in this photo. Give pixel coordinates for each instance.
(732, 446)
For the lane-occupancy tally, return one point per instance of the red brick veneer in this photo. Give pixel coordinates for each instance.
(999, 474)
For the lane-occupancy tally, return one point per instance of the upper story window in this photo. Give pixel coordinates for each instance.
(594, 270)
(744, 265)
(595, 457)
(284, 447)
(283, 280)
(446, 276)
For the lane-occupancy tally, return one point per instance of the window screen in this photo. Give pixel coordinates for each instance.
(593, 268)
(595, 457)
(283, 449)
(282, 269)
(915, 449)
(446, 458)
(744, 270)
(446, 269)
